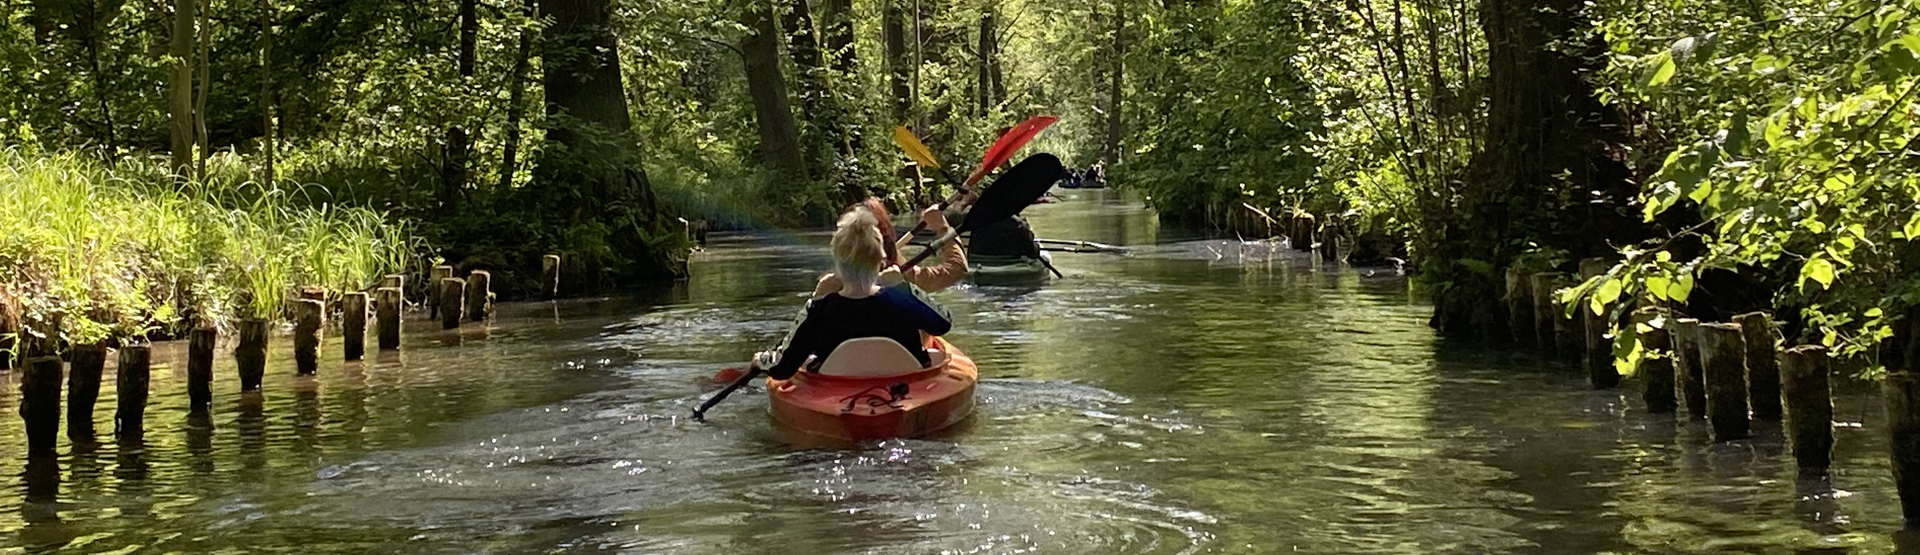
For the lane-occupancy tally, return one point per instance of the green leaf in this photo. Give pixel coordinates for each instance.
(1681, 288)
(1658, 285)
(1608, 292)
(1913, 227)
(1766, 64)
(1818, 269)
(1662, 70)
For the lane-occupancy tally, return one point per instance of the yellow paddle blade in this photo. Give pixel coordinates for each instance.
(915, 150)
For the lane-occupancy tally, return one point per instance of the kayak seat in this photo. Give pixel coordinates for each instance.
(874, 357)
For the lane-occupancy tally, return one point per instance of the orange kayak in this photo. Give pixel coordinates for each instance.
(865, 408)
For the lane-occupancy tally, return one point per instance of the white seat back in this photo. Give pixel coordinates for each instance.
(870, 357)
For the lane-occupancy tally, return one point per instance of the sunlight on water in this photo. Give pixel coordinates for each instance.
(1194, 396)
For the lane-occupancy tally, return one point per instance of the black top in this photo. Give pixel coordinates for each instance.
(1009, 237)
(894, 313)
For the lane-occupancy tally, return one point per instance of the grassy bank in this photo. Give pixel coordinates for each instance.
(93, 253)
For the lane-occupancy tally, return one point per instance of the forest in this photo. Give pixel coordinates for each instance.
(1721, 156)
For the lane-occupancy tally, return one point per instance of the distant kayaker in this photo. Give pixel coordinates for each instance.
(864, 305)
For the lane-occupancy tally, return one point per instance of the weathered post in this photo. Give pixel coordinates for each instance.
(438, 273)
(1330, 233)
(1541, 285)
(1723, 355)
(83, 389)
(1520, 305)
(550, 275)
(388, 318)
(40, 403)
(1569, 337)
(1599, 358)
(309, 318)
(1303, 230)
(479, 295)
(1656, 366)
(1803, 382)
(453, 304)
(1763, 365)
(353, 325)
(134, 372)
(250, 353)
(1902, 391)
(394, 280)
(1689, 375)
(200, 368)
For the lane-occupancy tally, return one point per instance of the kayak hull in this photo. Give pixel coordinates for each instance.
(1008, 271)
(862, 409)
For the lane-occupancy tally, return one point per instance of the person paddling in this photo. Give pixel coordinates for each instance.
(861, 306)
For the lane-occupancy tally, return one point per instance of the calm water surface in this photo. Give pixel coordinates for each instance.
(1195, 397)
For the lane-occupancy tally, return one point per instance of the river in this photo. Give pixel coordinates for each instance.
(1196, 396)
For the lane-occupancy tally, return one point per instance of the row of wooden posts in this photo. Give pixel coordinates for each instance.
(1301, 227)
(450, 300)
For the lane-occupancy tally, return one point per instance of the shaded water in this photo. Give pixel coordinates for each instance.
(1196, 397)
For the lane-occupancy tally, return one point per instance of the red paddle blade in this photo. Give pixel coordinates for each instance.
(1009, 144)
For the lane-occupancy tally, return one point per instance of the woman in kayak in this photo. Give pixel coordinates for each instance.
(953, 259)
(861, 306)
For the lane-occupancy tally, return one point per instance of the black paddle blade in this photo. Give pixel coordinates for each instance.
(1014, 191)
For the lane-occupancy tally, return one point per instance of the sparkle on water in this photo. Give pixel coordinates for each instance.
(1197, 396)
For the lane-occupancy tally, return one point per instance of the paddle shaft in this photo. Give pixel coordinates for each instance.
(701, 413)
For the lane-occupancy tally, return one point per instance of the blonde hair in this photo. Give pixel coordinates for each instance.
(858, 249)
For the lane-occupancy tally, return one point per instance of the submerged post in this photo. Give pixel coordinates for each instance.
(1303, 229)
(438, 273)
(550, 275)
(200, 368)
(251, 353)
(1763, 366)
(1541, 286)
(134, 372)
(1723, 355)
(388, 319)
(453, 302)
(309, 318)
(1599, 353)
(40, 403)
(1569, 335)
(1809, 414)
(479, 295)
(353, 325)
(1656, 367)
(1690, 378)
(1520, 305)
(83, 389)
(1330, 233)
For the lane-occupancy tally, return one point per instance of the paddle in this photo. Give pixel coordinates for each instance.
(1012, 192)
(1080, 246)
(1009, 194)
(1001, 151)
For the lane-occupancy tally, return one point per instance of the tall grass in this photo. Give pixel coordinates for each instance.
(93, 253)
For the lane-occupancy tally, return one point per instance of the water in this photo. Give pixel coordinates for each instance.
(1195, 397)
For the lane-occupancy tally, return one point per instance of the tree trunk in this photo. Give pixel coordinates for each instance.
(516, 102)
(827, 144)
(898, 65)
(206, 83)
(779, 137)
(1110, 154)
(268, 140)
(839, 33)
(180, 89)
(453, 172)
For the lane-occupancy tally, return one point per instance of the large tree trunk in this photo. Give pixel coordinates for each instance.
(839, 33)
(180, 89)
(1551, 172)
(591, 170)
(269, 141)
(1110, 153)
(516, 103)
(899, 66)
(779, 137)
(206, 84)
(827, 144)
(453, 171)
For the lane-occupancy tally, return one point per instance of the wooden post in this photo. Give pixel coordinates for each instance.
(309, 318)
(1689, 375)
(479, 295)
(1520, 305)
(1599, 353)
(1763, 365)
(40, 403)
(1656, 366)
(550, 275)
(200, 343)
(1329, 238)
(1541, 286)
(129, 421)
(433, 289)
(454, 297)
(83, 389)
(394, 280)
(1303, 231)
(1902, 390)
(387, 321)
(1723, 355)
(1803, 382)
(353, 325)
(251, 353)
